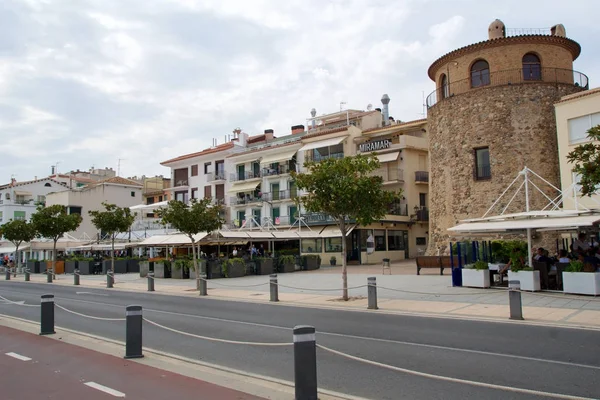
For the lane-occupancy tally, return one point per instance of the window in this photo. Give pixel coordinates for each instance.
(379, 235)
(182, 196)
(194, 193)
(195, 170)
(579, 126)
(333, 245)
(480, 74)
(241, 216)
(47, 184)
(275, 216)
(132, 194)
(292, 212)
(396, 240)
(275, 191)
(482, 164)
(207, 168)
(421, 241)
(0, 216)
(160, 198)
(311, 245)
(444, 86)
(19, 215)
(74, 210)
(180, 177)
(207, 192)
(150, 200)
(532, 68)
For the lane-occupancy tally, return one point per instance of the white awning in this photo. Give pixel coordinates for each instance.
(168, 240)
(22, 193)
(243, 187)
(523, 224)
(8, 249)
(279, 156)
(323, 143)
(260, 235)
(295, 234)
(334, 231)
(234, 234)
(107, 246)
(149, 207)
(388, 157)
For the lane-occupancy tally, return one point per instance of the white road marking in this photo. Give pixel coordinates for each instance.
(12, 302)
(92, 293)
(105, 389)
(18, 356)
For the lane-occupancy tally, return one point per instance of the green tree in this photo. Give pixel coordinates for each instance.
(586, 158)
(18, 232)
(53, 222)
(112, 221)
(199, 216)
(345, 189)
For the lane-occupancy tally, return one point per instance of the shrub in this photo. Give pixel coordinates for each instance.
(575, 266)
(480, 265)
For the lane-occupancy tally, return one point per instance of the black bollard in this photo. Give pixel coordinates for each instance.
(7, 274)
(27, 275)
(514, 300)
(151, 281)
(49, 276)
(305, 363)
(203, 286)
(372, 292)
(274, 287)
(76, 277)
(47, 317)
(110, 280)
(133, 332)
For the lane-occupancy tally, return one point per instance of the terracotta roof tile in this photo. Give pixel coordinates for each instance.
(325, 132)
(114, 180)
(28, 182)
(400, 125)
(221, 147)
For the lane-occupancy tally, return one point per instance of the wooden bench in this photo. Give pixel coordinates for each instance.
(430, 262)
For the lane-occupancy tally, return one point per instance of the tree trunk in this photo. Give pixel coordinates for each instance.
(54, 257)
(112, 254)
(342, 226)
(195, 263)
(17, 259)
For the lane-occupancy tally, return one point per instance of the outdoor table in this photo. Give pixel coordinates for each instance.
(494, 269)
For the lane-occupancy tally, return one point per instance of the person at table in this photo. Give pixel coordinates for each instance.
(580, 245)
(563, 258)
(541, 256)
(516, 256)
(590, 258)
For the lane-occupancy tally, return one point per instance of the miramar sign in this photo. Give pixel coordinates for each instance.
(375, 145)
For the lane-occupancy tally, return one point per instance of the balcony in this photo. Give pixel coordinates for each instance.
(422, 177)
(421, 214)
(398, 209)
(216, 176)
(389, 175)
(147, 223)
(236, 177)
(247, 199)
(510, 77)
(319, 158)
(280, 169)
(284, 220)
(280, 195)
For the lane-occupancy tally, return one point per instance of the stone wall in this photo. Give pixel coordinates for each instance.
(517, 123)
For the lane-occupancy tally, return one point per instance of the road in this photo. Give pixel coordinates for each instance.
(546, 359)
(34, 365)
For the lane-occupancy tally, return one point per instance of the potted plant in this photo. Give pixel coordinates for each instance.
(264, 266)
(162, 268)
(144, 265)
(120, 265)
(201, 267)
(133, 264)
(181, 268)
(33, 266)
(234, 268)
(85, 265)
(476, 275)
(287, 263)
(576, 280)
(71, 264)
(311, 262)
(528, 278)
(332, 261)
(214, 269)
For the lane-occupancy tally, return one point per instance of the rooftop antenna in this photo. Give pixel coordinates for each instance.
(56, 167)
(424, 112)
(342, 103)
(119, 166)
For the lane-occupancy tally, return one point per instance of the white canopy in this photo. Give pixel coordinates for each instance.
(243, 187)
(234, 234)
(7, 249)
(169, 240)
(388, 157)
(323, 143)
(334, 231)
(260, 235)
(279, 156)
(295, 234)
(149, 207)
(523, 221)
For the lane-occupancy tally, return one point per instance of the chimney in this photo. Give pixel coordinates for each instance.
(313, 114)
(268, 134)
(385, 100)
(52, 169)
(298, 128)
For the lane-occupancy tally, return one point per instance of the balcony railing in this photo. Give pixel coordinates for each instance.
(280, 195)
(247, 199)
(147, 223)
(422, 214)
(398, 209)
(278, 170)
(218, 176)
(422, 176)
(284, 220)
(318, 157)
(235, 177)
(523, 75)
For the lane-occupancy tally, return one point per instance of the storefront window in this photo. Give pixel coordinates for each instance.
(379, 240)
(312, 245)
(396, 240)
(333, 245)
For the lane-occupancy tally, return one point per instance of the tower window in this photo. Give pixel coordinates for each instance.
(480, 74)
(482, 163)
(444, 86)
(532, 68)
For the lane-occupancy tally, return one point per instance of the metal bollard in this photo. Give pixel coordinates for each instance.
(8, 274)
(514, 300)
(49, 275)
(150, 281)
(14, 272)
(47, 317)
(133, 332)
(110, 280)
(274, 287)
(203, 286)
(305, 363)
(27, 275)
(372, 292)
(76, 277)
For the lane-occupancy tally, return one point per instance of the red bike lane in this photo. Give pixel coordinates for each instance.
(37, 367)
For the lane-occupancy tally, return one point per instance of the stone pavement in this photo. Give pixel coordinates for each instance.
(402, 292)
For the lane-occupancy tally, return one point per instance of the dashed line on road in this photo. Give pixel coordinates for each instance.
(18, 356)
(105, 389)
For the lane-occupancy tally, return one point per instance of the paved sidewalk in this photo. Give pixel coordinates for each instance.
(401, 292)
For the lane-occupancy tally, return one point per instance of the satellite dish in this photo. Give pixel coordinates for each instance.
(369, 107)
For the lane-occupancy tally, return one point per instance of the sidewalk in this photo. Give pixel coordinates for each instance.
(402, 292)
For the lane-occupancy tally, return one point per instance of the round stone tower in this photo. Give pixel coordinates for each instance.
(491, 115)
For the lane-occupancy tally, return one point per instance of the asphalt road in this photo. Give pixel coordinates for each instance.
(35, 366)
(547, 359)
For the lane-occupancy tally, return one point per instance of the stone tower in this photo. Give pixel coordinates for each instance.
(491, 115)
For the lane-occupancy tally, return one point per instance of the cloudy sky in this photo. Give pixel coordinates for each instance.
(87, 82)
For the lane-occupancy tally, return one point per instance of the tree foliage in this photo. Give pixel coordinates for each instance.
(345, 189)
(199, 216)
(18, 232)
(112, 221)
(586, 158)
(53, 222)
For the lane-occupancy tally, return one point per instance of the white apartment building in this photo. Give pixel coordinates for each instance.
(19, 200)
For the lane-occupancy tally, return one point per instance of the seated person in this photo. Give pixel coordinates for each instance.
(563, 258)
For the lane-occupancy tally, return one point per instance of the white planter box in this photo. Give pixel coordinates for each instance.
(582, 282)
(530, 280)
(476, 278)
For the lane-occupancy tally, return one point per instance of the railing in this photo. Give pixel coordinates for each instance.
(283, 220)
(527, 74)
(150, 223)
(280, 195)
(398, 209)
(235, 177)
(219, 176)
(247, 199)
(389, 174)
(278, 170)
(182, 182)
(421, 176)
(319, 158)
(217, 202)
(423, 214)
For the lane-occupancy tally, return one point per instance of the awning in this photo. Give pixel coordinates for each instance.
(234, 234)
(169, 240)
(523, 224)
(149, 207)
(260, 235)
(388, 157)
(295, 234)
(107, 246)
(22, 193)
(8, 250)
(280, 156)
(323, 143)
(243, 187)
(334, 231)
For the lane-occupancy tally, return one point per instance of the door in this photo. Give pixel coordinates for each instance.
(256, 213)
(220, 192)
(423, 200)
(353, 249)
(405, 238)
(292, 214)
(275, 191)
(241, 172)
(422, 163)
(275, 216)
(241, 216)
(207, 192)
(256, 170)
(293, 190)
